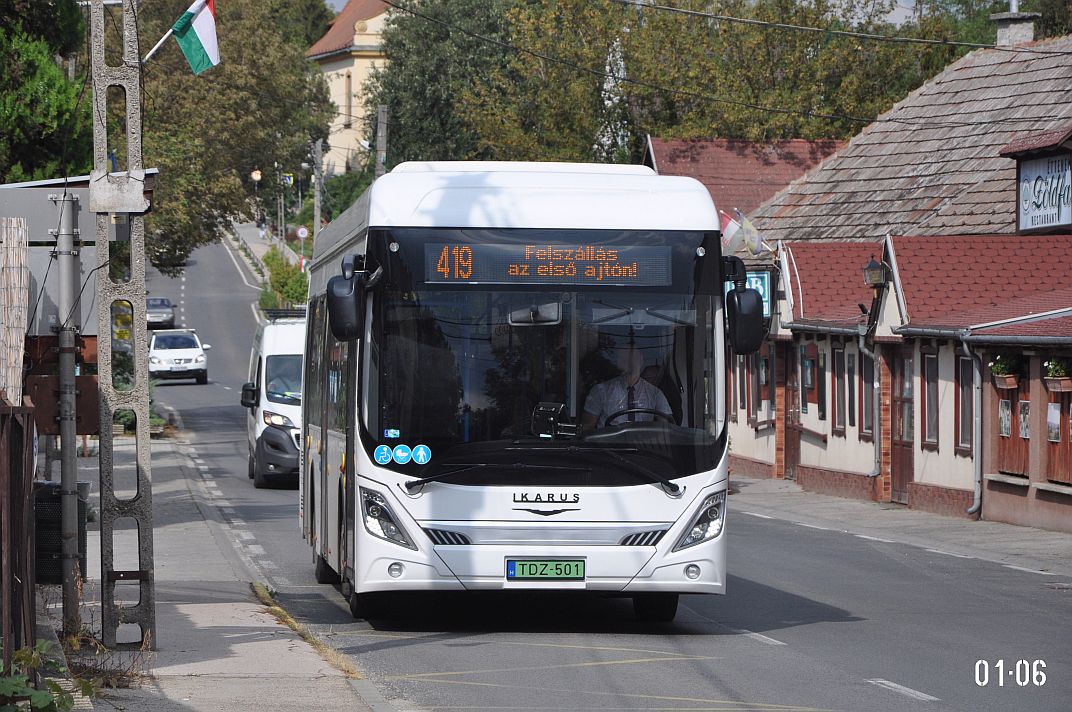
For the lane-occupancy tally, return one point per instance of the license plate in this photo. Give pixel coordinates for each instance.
(544, 570)
(178, 368)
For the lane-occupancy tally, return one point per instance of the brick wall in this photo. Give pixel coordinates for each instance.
(940, 500)
(748, 467)
(851, 485)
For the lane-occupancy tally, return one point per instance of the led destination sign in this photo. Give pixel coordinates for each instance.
(621, 265)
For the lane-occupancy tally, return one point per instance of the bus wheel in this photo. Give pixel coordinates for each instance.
(366, 605)
(323, 571)
(655, 607)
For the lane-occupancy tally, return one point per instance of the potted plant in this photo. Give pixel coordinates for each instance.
(1055, 375)
(1005, 371)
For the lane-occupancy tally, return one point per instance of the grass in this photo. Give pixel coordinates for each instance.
(333, 657)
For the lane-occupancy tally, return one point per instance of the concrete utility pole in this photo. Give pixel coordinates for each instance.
(381, 140)
(318, 159)
(67, 262)
(122, 193)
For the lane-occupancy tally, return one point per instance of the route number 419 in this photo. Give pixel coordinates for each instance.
(1024, 672)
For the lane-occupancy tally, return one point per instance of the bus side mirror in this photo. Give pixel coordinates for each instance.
(346, 305)
(249, 395)
(744, 316)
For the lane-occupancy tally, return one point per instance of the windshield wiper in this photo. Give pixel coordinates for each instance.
(414, 485)
(669, 486)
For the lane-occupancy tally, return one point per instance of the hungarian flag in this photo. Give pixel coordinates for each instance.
(729, 230)
(196, 34)
(737, 232)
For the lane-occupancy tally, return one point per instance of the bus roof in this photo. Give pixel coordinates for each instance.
(485, 194)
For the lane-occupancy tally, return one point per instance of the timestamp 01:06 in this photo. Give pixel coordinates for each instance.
(1019, 672)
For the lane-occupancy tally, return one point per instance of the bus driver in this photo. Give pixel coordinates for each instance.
(625, 392)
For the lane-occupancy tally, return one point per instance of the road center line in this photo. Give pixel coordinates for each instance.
(902, 690)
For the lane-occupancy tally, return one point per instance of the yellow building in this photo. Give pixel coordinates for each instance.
(347, 53)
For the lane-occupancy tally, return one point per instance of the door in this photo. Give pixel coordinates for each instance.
(903, 425)
(1058, 440)
(1014, 428)
(792, 409)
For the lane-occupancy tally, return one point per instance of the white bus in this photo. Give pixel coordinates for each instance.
(514, 379)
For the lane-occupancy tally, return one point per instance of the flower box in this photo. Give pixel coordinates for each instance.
(1058, 385)
(1005, 381)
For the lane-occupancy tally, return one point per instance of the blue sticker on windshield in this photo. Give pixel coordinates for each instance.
(422, 454)
(383, 454)
(392, 433)
(401, 454)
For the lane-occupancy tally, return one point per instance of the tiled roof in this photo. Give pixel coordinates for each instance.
(739, 174)
(932, 164)
(1056, 326)
(826, 281)
(957, 281)
(340, 35)
(1039, 141)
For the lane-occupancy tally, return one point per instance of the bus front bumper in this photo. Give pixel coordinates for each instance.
(608, 569)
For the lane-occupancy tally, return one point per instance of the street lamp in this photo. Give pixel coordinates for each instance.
(255, 176)
(874, 275)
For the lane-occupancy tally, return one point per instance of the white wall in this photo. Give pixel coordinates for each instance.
(846, 453)
(943, 468)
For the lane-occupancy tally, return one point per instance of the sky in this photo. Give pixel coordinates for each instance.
(336, 5)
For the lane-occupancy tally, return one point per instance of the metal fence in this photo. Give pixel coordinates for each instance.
(16, 529)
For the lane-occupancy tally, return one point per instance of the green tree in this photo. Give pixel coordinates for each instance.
(430, 67)
(259, 108)
(302, 22)
(45, 131)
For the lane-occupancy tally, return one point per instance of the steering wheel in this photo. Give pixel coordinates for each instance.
(650, 411)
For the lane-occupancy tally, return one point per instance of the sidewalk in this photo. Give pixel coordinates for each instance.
(217, 647)
(259, 245)
(1007, 544)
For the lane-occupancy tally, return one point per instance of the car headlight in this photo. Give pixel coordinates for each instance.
(706, 523)
(279, 421)
(154, 359)
(199, 359)
(380, 521)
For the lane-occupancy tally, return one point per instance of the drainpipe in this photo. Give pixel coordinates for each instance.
(876, 401)
(977, 423)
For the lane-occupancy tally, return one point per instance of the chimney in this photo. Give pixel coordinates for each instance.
(1015, 28)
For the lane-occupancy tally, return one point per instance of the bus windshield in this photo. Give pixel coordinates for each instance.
(531, 357)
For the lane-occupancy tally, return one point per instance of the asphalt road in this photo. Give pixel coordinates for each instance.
(813, 619)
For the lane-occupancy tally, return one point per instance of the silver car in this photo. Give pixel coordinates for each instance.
(160, 313)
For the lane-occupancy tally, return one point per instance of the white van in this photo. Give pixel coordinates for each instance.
(273, 397)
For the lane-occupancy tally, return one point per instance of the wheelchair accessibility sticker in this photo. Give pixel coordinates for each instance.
(383, 454)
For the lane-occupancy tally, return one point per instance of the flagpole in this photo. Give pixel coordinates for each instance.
(157, 45)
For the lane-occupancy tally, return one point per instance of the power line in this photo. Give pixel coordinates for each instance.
(711, 97)
(839, 33)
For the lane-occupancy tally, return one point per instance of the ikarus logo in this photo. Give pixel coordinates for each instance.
(547, 498)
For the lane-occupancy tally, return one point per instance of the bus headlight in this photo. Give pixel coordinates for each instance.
(279, 421)
(706, 523)
(380, 521)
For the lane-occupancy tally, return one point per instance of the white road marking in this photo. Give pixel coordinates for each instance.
(753, 514)
(759, 637)
(874, 538)
(237, 267)
(902, 690)
(256, 550)
(243, 534)
(228, 510)
(238, 522)
(812, 526)
(950, 553)
(227, 388)
(1030, 571)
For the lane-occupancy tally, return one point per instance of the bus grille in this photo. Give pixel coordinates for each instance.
(442, 536)
(643, 538)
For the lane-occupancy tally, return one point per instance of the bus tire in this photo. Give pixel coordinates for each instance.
(366, 605)
(323, 573)
(655, 607)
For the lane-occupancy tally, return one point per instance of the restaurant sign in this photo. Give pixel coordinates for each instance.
(1045, 193)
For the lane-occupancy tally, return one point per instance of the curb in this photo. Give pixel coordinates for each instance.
(45, 632)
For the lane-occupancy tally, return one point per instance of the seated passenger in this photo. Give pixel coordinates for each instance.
(627, 391)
